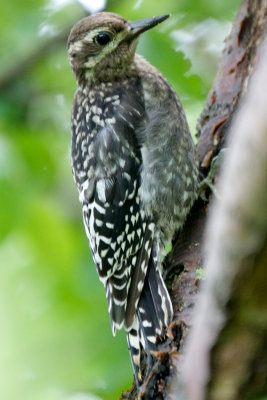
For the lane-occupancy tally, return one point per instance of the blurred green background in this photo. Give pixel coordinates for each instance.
(55, 337)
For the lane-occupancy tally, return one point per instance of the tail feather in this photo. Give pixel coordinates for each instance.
(160, 296)
(155, 305)
(135, 348)
(153, 315)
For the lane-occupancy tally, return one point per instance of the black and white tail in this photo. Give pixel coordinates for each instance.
(153, 316)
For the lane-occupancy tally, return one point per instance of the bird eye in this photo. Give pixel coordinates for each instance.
(103, 38)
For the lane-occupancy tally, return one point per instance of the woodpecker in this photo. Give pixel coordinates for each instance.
(135, 166)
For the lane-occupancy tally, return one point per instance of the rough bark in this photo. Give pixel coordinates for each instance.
(240, 55)
(226, 354)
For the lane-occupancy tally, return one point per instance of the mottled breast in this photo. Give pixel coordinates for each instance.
(106, 161)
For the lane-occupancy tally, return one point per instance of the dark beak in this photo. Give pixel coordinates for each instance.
(143, 25)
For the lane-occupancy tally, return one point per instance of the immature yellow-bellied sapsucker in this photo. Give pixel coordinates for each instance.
(135, 166)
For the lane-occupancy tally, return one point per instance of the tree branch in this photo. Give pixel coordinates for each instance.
(241, 52)
(225, 356)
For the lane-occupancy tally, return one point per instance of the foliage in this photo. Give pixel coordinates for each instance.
(55, 335)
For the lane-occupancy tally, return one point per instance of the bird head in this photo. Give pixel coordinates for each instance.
(101, 47)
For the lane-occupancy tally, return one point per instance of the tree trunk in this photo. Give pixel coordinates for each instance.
(224, 356)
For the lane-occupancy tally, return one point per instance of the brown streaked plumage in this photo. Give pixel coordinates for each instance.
(135, 167)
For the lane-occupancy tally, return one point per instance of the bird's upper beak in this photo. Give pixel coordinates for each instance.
(138, 27)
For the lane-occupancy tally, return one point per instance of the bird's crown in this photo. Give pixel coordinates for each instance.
(101, 47)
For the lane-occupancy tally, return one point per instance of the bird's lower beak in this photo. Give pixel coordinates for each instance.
(138, 27)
